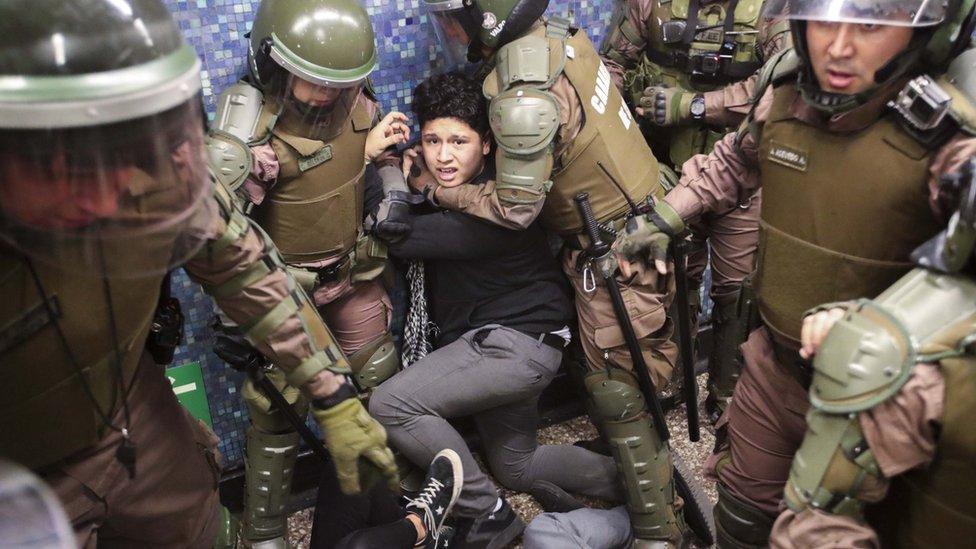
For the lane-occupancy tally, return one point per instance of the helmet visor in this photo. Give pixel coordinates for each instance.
(119, 200)
(901, 13)
(313, 110)
(455, 28)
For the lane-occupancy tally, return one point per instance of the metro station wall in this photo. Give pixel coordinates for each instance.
(407, 49)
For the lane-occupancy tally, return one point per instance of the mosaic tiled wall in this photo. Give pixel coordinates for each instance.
(406, 46)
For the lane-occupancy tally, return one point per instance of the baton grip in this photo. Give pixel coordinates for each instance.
(598, 247)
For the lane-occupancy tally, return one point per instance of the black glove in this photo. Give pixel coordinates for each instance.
(392, 220)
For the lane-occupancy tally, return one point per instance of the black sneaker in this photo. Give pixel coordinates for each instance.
(437, 495)
(491, 531)
(554, 499)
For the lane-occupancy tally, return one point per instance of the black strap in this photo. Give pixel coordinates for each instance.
(691, 27)
(685, 63)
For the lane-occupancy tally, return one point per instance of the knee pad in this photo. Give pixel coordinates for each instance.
(376, 362)
(739, 524)
(615, 395)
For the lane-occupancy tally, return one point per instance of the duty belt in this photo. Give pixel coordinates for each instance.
(608, 229)
(703, 65)
(311, 278)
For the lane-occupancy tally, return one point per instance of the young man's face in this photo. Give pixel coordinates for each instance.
(453, 150)
(61, 197)
(845, 56)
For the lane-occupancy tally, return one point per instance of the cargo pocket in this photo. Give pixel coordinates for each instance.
(206, 442)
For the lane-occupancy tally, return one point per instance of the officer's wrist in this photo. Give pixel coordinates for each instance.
(667, 218)
(344, 392)
(323, 384)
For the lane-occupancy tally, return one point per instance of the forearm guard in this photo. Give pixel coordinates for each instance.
(288, 330)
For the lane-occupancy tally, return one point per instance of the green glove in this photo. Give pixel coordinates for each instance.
(665, 106)
(352, 435)
(646, 237)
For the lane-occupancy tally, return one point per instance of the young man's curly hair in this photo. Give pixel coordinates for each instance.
(451, 95)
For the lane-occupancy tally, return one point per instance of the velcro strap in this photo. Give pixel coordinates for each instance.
(237, 226)
(311, 366)
(660, 223)
(262, 327)
(254, 273)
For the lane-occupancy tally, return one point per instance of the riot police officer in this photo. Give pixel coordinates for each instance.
(297, 139)
(562, 129)
(104, 188)
(689, 70)
(847, 142)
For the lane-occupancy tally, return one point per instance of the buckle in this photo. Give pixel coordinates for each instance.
(330, 273)
(922, 103)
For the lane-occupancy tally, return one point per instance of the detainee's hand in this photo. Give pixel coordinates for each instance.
(392, 130)
(815, 329)
(357, 443)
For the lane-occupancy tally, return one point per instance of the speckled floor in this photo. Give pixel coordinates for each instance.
(693, 454)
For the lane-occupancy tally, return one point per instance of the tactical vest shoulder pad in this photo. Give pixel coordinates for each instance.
(229, 159)
(534, 60)
(960, 83)
(869, 354)
(783, 65)
(524, 120)
(238, 111)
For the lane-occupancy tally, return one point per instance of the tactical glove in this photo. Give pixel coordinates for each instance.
(646, 237)
(666, 106)
(392, 219)
(357, 443)
(262, 411)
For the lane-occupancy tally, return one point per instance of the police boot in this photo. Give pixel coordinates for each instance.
(229, 529)
(375, 363)
(725, 360)
(272, 449)
(739, 524)
(643, 459)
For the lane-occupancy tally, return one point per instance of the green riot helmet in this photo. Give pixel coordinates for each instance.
(312, 57)
(102, 161)
(942, 29)
(463, 27)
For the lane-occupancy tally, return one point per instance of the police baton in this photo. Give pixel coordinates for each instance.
(255, 370)
(603, 260)
(690, 389)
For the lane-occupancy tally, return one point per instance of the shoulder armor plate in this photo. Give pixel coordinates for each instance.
(869, 354)
(229, 159)
(534, 60)
(524, 121)
(238, 111)
(960, 81)
(784, 64)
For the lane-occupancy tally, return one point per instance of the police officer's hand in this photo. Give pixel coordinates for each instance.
(393, 129)
(665, 106)
(351, 435)
(815, 329)
(392, 220)
(646, 238)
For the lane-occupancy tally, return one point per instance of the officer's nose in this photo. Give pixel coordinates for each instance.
(842, 45)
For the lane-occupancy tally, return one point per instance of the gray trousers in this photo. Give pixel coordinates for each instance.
(582, 528)
(496, 375)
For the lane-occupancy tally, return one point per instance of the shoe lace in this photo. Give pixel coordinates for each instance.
(429, 492)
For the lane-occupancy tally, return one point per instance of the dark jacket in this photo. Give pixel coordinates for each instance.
(479, 273)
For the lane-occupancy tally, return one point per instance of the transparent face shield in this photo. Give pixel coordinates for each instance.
(121, 200)
(312, 110)
(902, 13)
(453, 24)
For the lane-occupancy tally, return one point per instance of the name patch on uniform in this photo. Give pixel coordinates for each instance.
(29, 323)
(790, 157)
(320, 156)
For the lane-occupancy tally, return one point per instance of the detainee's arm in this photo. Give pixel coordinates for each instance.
(901, 433)
(454, 235)
(717, 181)
(240, 268)
(516, 195)
(729, 106)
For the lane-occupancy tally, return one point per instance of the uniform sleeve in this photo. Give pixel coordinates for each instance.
(729, 106)
(454, 235)
(264, 173)
(241, 270)
(623, 54)
(717, 181)
(482, 200)
(901, 433)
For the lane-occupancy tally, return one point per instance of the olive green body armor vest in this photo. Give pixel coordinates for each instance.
(725, 51)
(608, 157)
(934, 507)
(46, 415)
(315, 209)
(841, 212)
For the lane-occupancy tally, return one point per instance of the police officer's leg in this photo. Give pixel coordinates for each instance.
(734, 240)
(756, 440)
(643, 458)
(272, 449)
